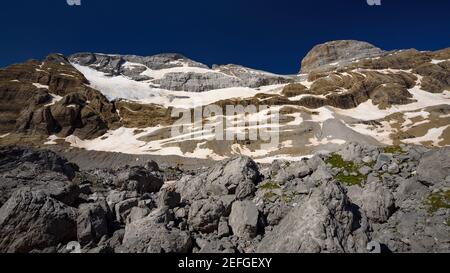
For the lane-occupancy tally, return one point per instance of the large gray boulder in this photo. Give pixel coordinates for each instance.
(204, 215)
(150, 235)
(38, 170)
(139, 179)
(434, 166)
(325, 222)
(34, 220)
(376, 200)
(92, 222)
(219, 180)
(244, 219)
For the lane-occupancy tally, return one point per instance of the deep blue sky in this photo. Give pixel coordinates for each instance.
(273, 35)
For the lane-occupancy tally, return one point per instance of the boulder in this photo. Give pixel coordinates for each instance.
(204, 215)
(219, 180)
(434, 166)
(168, 197)
(92, 222)
(139, 179)
(123, 209)
(244, 219)
(34, 220)
(38, 170)
(149, 235)
(325, 222)
(376, 200)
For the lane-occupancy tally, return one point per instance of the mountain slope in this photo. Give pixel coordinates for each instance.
(352, 91)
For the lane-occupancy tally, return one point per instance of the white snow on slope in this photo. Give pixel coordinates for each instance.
(438, 61)
(38, 85)
(433, 135)
(120, 87)
(159, 74)
(368, 111)
(55, 99)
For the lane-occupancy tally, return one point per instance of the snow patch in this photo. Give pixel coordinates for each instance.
(433, 135)
(38, 85)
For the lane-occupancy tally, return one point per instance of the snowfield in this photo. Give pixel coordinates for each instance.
(120, 87)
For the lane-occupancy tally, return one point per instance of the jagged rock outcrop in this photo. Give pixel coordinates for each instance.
(139, 179)
(150, 235)
(244, 219)
(434, 167)
(325, 222)
(52, 97)
(223, 179)
(33, 220)
(114, 64)
(92, 222)
(204, 215)
(38, 170)
(252, 77)
(198, 82)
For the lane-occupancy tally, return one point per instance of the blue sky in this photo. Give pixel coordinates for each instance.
(273, 35)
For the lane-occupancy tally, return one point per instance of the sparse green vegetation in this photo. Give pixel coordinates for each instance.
(351, 180)
(288, 197)
(347, 169)
(268, 196)
(338, 162)
(437, 201)
(393, 150)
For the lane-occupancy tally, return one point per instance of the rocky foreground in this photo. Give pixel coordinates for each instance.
(360, 199)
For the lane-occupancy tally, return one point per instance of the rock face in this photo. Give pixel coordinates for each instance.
(52, 97)
(323, 223)
(251, 77)
(113, 64)
(140, 179)
(244, 219)
(92, 222)
(150, 235)
(38, 170)
(223, 179)
(434, 167)
(198, 82)
(328, 55)
(376, 200)
(205, 79)
(204, 215)
(33, 220)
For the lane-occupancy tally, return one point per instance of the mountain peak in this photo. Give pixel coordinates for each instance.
(340, 52)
